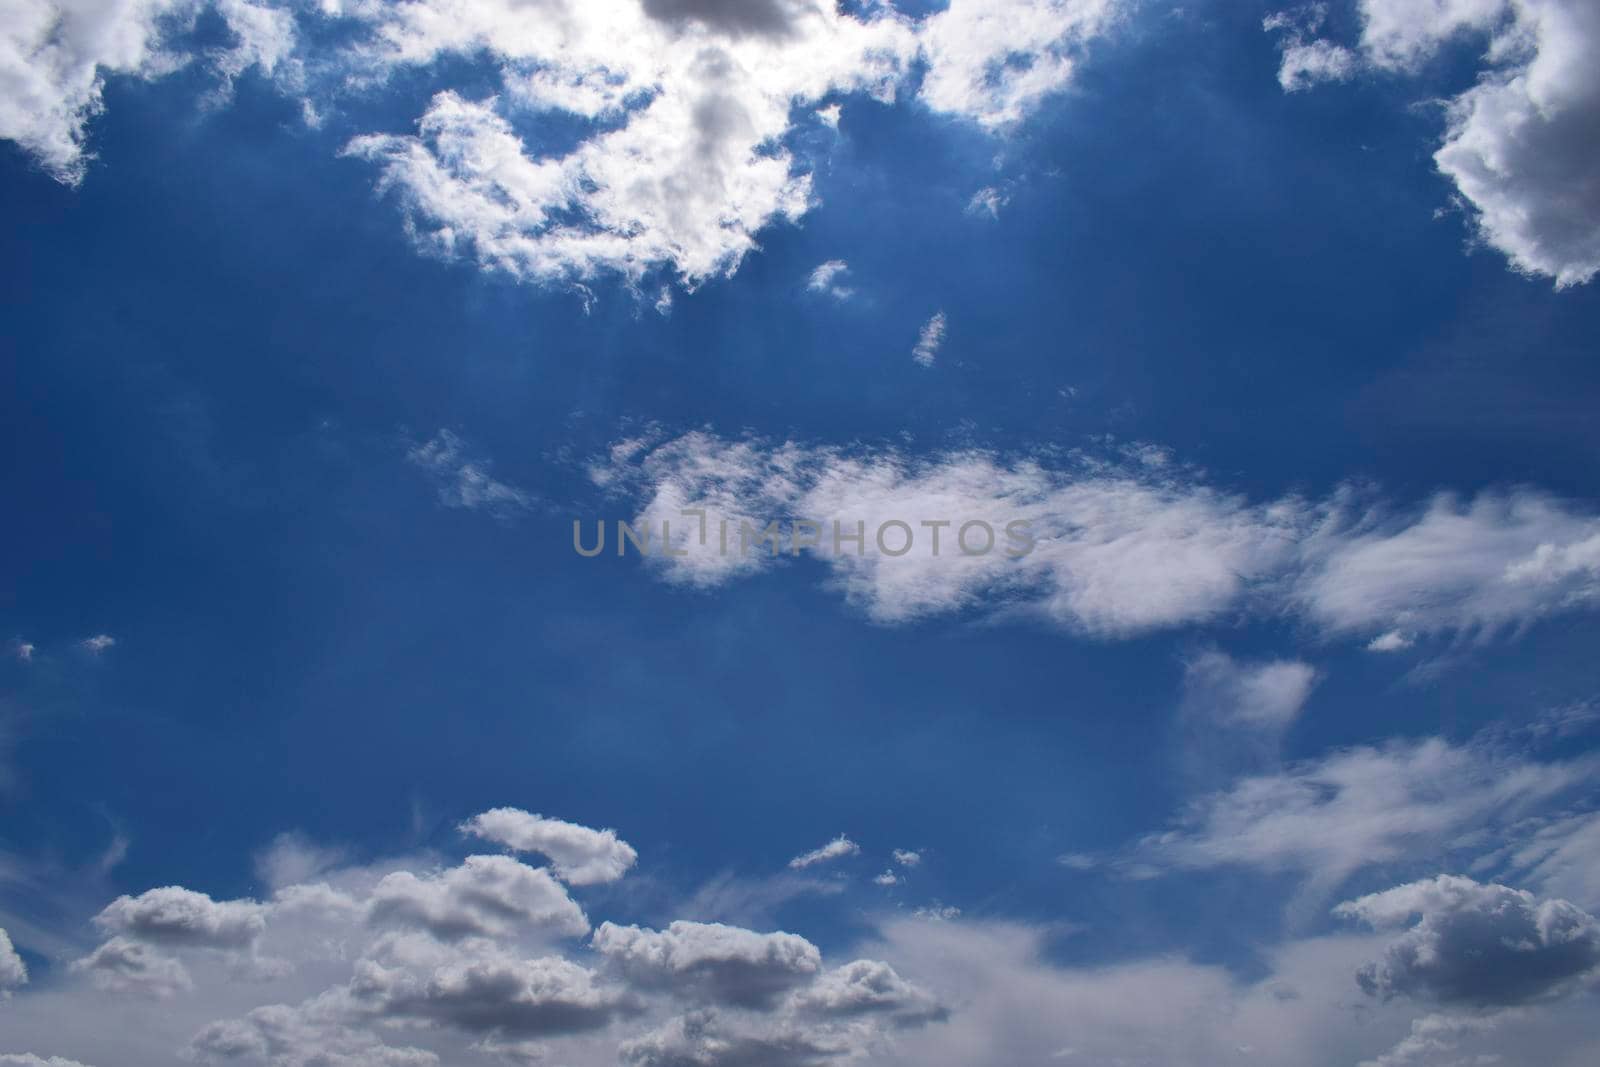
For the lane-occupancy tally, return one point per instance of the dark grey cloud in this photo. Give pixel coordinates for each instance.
(869, 987)
(710, 962)
(700, 1039)
(176, 916)
(767, 18)
(1476, 945)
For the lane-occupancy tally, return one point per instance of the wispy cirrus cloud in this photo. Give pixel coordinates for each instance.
(463, 479)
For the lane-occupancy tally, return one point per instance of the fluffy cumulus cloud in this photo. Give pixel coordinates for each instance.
(689, 104)
(1106, 547)
(53, 60)
(1478, 945)
(993, 60)
(1455, 970)
(578, 854)
(1523, 144)
(417, 962)
(484, 896)
(711, 961)
(176, 916)
(683, 107)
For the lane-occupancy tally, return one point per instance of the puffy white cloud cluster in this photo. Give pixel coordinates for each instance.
(992, 60)
(683, 106)
(416, 963)
(1523, 144)
(689, 106)
(711, 961)
(1118, 547)
(476, 965)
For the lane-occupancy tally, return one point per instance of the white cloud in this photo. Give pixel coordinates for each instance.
(711, 962)
(868, 986)
(838, 848)
(686, 164)
(1498, 561)
(886, 879)
(410, 962)
(993, 61)
(579, 855)
(1560, 856)
(1262, 696)
(1357, 808)
(121, 965)
(1235, 713)
(906, 857)
(1106, 547)
(463, 480)
(829, 278)
(1306, 64)
(929, 340)
(28, 1059)
(687, 105)
(987, 201)
(705, 1038)
(944, 993)
(54, 56)
(13, 972)
(692, 105)
(1392, 641)
(98, 643)
(478, 987)
(176, 916)
(484, 896)
(1519, 145)
(23, 650)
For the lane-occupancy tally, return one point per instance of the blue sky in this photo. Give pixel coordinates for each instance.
(320, 746)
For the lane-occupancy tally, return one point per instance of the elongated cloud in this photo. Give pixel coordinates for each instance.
(580, 856)
(838, 848)
(1105, 547)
